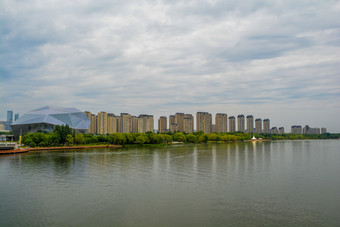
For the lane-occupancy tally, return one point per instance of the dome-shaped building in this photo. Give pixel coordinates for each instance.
(46, 118)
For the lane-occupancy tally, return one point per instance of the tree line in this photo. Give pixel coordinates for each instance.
(64, 135)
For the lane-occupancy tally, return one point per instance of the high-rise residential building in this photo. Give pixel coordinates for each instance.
(162, 124)
(221, 122)
(126, 122)
(266, 126)
(119, 124)
(281, 130)
(309, 130)
(274, 130)
(88, 115)
(250, 124)
(181, 122)
(134, 120)
(213, 128)
(102, 123)
(9, 116)
(172, 124)
(240, 123)
(94, 123)
(306, 129)
(179, 119)
(232, 124)
(323, 130)
(204, 122)
(258, 125)
(111, 123)
(296, 129)
(16, 116)
(145, 123)
(2, 127)
(188, 123)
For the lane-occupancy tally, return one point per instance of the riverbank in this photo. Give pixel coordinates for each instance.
(28, 149)
(16, 151)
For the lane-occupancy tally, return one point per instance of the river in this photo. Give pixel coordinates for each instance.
(274, 183)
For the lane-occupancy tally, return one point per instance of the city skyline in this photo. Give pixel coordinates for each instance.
(274, 60)
(232, 122)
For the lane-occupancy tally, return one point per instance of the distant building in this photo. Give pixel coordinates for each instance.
(134, 124)
(102, 123)
(296, 129)
(213, 128)
(9, 119)
(188, 123)
(240, 123)
(266, 126)
(232, 124)
(281, 130)
(204, 122)
(5, 125)
(145, 123)
(323, 130)
(16, 116)
(309, 130)
(111, 123)
(162, 124)
(274, 130)
(2, 127)
(126, 120)
(46, 118)
(258, 125)
(119, 124)
(221, 122)
(250, 124)
(181, 122)
(10, 116)
(172, 124)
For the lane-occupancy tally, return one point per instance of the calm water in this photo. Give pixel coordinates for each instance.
(285, 183)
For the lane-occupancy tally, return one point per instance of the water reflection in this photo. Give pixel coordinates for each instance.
(255, 183)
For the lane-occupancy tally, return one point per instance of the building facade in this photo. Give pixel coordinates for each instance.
(266, 126)
(172, 124)
(232, 124)
(204, 122)
(145, 123)
(111, 123)
(102, 123)
(296, 129)
(250, 124)
(281, 130)
(221, 122)
(241, 123)
(162, 124)
(258, 125)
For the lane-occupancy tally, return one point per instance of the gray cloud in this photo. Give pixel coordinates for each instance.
(272, 59)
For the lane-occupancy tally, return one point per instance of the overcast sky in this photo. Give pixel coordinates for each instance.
(272, 59)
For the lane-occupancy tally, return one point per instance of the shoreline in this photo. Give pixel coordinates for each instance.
(27, 150)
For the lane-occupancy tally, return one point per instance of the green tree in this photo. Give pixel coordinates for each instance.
(180, 137)
(63, 131)
(141, 139)
(190, 138)
(69, 139)
(79, 138)
(118, 138)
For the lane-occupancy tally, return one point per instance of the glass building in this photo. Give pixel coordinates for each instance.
(46, 118)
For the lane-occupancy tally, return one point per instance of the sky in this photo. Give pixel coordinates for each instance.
(272, 59)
